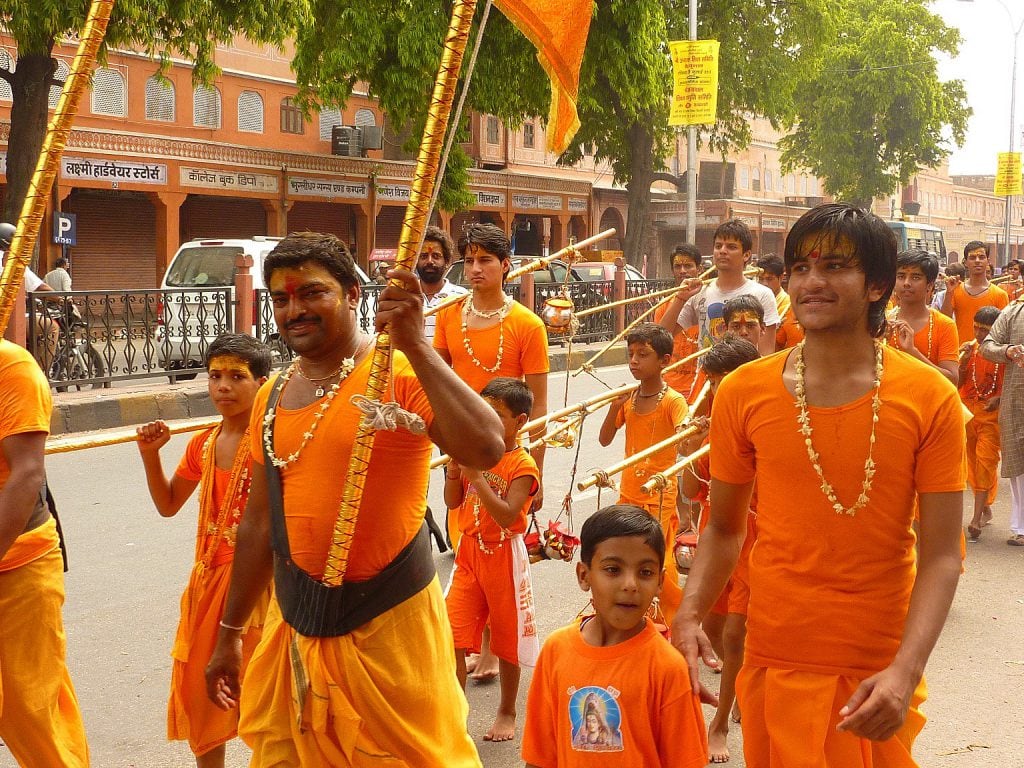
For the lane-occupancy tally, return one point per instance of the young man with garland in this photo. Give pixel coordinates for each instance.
(964, 299)
(332, 680)
(916, 328)
(846, 603)
(219, 461)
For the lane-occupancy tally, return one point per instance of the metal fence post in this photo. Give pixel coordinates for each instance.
(618, 294)
(526, 296)
(243, 294)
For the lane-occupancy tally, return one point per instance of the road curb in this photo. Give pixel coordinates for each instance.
(110, 408)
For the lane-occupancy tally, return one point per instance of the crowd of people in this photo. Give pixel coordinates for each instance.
(827, 452)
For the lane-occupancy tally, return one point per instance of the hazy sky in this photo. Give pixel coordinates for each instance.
(984, 64)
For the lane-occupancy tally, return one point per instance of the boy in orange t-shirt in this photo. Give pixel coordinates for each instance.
(608, 690)
(219, 462)
(963, 299)
(651, 414)
(980, 390)
(490, 584)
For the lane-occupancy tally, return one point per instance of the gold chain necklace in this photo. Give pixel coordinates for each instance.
(931, 326)
(804, 419)
(319, 391)
(501, 314)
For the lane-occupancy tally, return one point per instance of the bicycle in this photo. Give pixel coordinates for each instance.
(74, 358)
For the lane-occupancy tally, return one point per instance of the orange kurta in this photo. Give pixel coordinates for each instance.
(938, 340)
(367, 694)
(643, 431)
(965, 306)
(39, 717)
(191, 715)
(524, 343)
(790, 333)
(684, 343)
(984, 381)
(829, 592)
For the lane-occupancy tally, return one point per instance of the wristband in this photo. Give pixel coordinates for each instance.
(233, 629)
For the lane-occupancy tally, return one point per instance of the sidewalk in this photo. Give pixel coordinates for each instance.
(131, 403)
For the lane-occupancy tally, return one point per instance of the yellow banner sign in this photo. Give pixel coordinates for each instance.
(1008, 175)
(695, 95)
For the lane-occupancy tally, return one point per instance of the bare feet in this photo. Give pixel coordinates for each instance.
(504, 728)
(735, 716)
(986, 515)
(471, 661)
(718, 749)
(486, 667)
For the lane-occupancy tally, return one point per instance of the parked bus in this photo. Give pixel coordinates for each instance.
(915, 234)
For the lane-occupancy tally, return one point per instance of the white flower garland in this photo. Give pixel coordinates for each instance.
(501, 313)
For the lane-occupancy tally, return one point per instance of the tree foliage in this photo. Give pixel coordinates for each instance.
(190, 29)
(876, 110)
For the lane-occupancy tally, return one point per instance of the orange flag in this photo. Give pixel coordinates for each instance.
(558, 28)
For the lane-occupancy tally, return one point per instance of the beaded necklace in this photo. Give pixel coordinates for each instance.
(643, 469)
(974, 378)
(486, 314)
(234, 495)
(804, 419)
(931, 327)
(347, 367)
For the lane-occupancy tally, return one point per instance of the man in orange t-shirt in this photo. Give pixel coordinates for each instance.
(915, 327)
(833, 672)
(963, 299)
(329, 685)
(39, 718)
(687, 264)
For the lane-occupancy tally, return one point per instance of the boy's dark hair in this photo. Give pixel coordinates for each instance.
(973, 246)
(514, 393)
(323, 249)
(919, 257)
(745, 303)
(652, 334)
(986, 315)
(689, 251)
(486, 236)
(772, 264)
(443, 239)
(734, 229)
(617, 521)
(727, 354)
(872, 240)
(956, 269)
(241, 345)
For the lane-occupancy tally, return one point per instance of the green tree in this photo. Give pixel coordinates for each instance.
(876, 110)
(191, 29)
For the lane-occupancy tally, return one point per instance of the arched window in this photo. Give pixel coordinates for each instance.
(6, 62)
(803, 185)
(159, 99)
(206, 107)
(250, 112)
(291, 117)
(744, 177)
(769, 180)
(329, 117)
(756, 180)
(59, 76)
(365, 117)
(109, 95)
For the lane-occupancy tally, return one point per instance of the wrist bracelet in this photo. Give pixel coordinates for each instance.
(233, 629)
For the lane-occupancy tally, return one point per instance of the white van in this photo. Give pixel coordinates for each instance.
(190, 319)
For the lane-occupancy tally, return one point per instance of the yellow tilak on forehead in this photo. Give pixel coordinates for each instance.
(229, 364)
(745, 318)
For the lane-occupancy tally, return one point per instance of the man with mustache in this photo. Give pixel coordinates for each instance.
(432, 263)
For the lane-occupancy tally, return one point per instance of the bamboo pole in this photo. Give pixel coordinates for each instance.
(80, 442)
(424, 179)
(659, 480)
(19, 254)
(637, 457)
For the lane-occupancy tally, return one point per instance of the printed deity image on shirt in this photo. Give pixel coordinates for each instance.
(595, 718)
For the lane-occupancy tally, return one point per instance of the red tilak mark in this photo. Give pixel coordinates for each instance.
(291, 285)
(814, 255)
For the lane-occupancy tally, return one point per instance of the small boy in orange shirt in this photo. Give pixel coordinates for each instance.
(981, 385)
(652, 413)
(608, 689)
(490, 583)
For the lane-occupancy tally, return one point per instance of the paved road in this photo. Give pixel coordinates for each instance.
(128, 567)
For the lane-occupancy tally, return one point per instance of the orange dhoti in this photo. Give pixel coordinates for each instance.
(385, 694)
(39, 717)
(790, 718)
(983, 449)
(191, 715)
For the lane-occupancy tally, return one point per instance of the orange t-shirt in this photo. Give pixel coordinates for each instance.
(684, 344)
(629, 705)
(191, 468)
(395, 490)
(1013, 289)
(984, 379)
(939, 340)
(25, 406)
(965, 306)
(514, 464)
(829, 592)
(643, 431)
(790, 333)
(524, 342)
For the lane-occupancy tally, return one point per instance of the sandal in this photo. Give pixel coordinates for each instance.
(973, 533)
(1016, 541)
